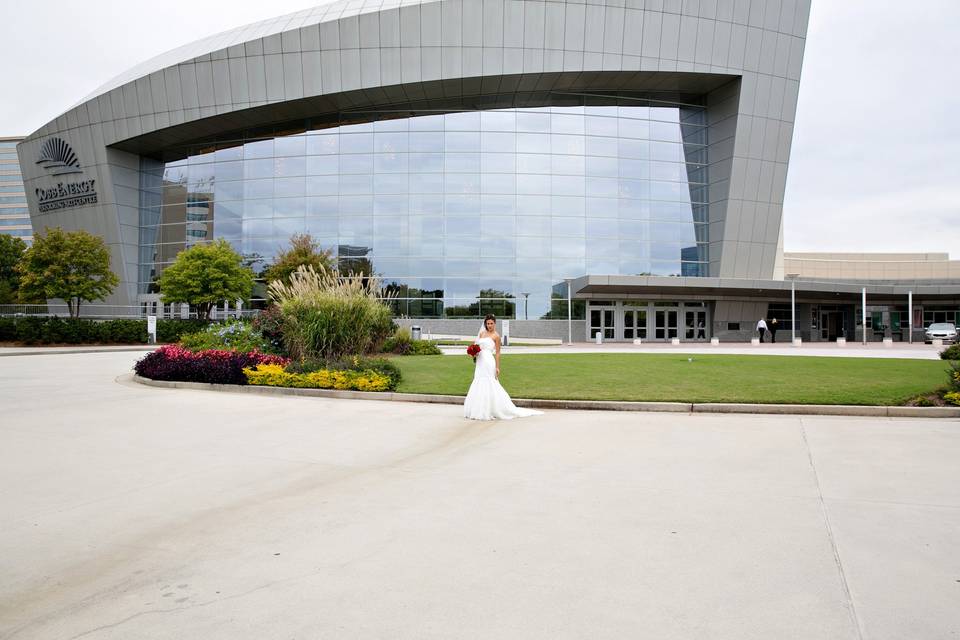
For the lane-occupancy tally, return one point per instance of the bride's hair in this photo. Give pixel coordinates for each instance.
(489, 316)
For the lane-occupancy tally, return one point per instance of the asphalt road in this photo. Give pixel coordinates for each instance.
(136, 512)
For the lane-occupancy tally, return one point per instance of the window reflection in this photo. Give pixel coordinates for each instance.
(459, 211)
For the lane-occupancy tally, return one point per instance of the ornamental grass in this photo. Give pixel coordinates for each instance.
(328, 316)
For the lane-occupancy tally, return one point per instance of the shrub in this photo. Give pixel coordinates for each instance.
(951, 353)
(952, 398)
(37, 330)
(8, 330)
(326, 316)
(382, 366)
(399, 342)
(172, 330)
(276, 376)
(238, 336)
(172, 362)
(424, 348)
(402, 344)
(954, 374)
(269, 323)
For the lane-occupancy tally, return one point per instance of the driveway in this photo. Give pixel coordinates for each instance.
(136, 512)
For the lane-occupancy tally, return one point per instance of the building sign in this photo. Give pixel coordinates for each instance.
(66, 195)
(57, 157)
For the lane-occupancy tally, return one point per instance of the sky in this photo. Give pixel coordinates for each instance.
(875, 164)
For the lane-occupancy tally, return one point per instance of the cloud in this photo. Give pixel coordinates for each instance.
(874, 166)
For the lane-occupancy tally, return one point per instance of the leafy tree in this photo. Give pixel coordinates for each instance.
(72, 266)
(11, 250)
(303, 251)
(205, 275)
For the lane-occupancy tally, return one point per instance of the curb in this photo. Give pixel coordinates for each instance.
(589, 405)
(69, 350)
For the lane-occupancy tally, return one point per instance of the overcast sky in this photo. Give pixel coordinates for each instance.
(875, 163)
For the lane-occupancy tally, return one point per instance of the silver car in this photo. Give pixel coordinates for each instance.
(945, 331)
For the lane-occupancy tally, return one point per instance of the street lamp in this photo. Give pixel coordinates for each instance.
(793, 306)
(526, 297)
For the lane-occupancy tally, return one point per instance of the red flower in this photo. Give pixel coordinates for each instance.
(473, 350)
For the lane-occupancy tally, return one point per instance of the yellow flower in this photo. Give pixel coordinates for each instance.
(273, 375)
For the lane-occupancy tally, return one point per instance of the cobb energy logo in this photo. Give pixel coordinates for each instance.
(58, 158)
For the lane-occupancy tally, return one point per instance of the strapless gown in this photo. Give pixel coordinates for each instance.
(487, 399)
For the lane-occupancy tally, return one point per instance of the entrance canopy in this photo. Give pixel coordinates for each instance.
(660, 287)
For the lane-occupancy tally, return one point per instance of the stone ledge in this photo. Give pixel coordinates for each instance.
(571, 405)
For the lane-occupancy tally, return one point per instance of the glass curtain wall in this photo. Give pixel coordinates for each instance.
(14, 216)
(461, 213)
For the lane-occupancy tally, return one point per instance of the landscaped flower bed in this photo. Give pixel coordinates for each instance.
(274, 375)
(172, 362)
(175, 363)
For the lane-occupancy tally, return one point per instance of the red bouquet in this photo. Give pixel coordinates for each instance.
(473, 351)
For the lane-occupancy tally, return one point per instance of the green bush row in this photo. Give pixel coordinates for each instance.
(33, 330)
(403, 344)
(951, 353)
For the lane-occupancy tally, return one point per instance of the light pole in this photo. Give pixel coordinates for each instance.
(526, 298)
(793, 307)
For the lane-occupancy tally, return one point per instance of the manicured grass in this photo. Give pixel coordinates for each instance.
(668, 377)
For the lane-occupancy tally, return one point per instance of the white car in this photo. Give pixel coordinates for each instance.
(945, 331)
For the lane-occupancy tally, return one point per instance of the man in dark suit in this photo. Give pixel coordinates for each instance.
(772, 328)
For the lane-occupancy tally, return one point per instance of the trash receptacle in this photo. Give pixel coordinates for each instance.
(415, 332)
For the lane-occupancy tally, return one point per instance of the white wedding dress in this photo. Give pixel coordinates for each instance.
(487, 399)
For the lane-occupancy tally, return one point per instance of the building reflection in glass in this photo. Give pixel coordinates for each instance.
(460, 214)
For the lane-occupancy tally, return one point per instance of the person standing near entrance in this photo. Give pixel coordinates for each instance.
(761, 328)
(772, 328)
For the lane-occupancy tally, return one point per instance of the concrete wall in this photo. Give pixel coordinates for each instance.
(556, 329)
(873, 266)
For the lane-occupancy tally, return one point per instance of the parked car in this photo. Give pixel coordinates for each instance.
(945, 331)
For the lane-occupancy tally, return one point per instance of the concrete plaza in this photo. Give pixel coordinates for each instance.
(136, 512)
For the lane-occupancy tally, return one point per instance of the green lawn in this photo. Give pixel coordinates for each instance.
(667, 377)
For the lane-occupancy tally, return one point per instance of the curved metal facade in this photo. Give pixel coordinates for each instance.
(735, 63)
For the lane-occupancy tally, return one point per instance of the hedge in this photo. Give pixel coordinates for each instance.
(35, 330)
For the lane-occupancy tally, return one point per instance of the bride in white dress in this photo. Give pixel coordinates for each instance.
(487, 399)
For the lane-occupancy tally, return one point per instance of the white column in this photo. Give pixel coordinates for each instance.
(569, 315)
(863, 315)
(910, 314)
(793, 311)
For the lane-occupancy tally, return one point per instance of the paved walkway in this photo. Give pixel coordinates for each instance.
(135, 512)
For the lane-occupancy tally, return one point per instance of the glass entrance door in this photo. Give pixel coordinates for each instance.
(695, 325)
(634, 323)
(666, 324)
(602, 322)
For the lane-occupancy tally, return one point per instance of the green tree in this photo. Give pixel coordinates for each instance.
(11, 250)
(303, 251)
(205, 275)
(72, 266)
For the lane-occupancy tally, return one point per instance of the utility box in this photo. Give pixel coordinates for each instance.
(415, 332)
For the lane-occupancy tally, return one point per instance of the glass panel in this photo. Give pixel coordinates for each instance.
(548, 193)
